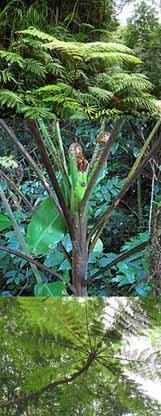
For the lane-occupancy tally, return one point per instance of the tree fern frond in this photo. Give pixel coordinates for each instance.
(55, 68)
(12, 57)
(52, 89)
(142, 101)
(32, 31)
(60, 93)
(107, 46)
(108, 112)
(6, 76)
(36, 112)
(101, 93)
(74, 85)
(82, 75)
(85, 98)
(9, 98)
(35, 67)
(107, 51)
(114, 57)
(121, 81)
(66, 107)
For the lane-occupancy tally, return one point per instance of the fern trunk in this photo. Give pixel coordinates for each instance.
(79, 255)
(155, 249)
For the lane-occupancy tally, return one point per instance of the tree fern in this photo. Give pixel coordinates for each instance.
(64, 78)
(112, 53)
(59, 338)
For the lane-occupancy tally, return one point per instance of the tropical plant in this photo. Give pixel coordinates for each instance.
(79, 357)
(63, 18)
(66, 209)
(42, 76)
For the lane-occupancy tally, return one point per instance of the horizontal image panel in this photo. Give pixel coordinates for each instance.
(80, 207)
(79, 356)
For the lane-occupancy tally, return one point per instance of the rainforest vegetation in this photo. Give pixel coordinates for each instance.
(80, 357)
(80, 135)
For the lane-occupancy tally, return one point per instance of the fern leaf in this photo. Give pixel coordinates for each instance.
(35, 67)
(56, 69)
(12, 58)
(114, 57)
(36, 112)
(101, 93)
(108, 51)
(6, 76)
(9, 98)
(121, 81)
(32, 31)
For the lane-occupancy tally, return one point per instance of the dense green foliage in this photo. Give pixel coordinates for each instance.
(127, 229)
(60, 60)
(69, 357)
(143, 35)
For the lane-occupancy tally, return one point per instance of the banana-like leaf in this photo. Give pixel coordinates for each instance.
(46, 228)
(5, 222)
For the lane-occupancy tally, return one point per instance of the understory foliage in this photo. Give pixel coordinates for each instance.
(118, 259)
(77, 357)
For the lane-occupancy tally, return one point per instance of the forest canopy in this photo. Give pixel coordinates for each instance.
(91, 357)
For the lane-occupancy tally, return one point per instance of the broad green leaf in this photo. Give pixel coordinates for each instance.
(5, 222)
(46, 228)
(50, 289)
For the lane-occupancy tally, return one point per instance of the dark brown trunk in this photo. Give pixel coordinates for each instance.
(79, 255)
(155, 250)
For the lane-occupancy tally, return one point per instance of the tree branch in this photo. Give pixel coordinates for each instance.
(137, 167)
(31, 260)
(36, 263)
(12, 184)
(31, 162)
